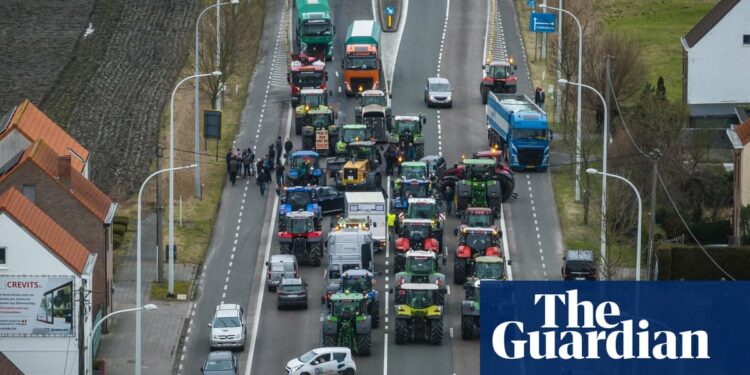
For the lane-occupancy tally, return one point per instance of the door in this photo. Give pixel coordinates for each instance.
(330, 200)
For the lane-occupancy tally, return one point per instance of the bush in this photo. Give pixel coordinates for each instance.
(121, 220)
(117, 240)
(690, 263)
(119, 229)
(714, 232)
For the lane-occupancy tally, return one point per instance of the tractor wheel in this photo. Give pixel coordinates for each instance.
(463, 204)
(459, 271)
(467, 327)
(308, 143)
(507, 187)
(298, 127)
(285, 248)
(485, 95)
(436, 332)
(402, 331)
(282, 224)
(440, 298)
(316, 253)
(398, 264)
(349, 371)
(420, 151)
(364, 344)
(329, 340)
(496, 204)
(375, 313)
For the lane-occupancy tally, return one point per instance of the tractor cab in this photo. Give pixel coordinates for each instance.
(416, 234)
(414, 170)
(478, 217)
(300, 222)
(304, 168)
(299, 198)
(421, 267)
(357, 281)
(479, 169)
(473, 242)
(490, 268)
(498, 77)
(373, 97)
(312, 98)
(352, 133)
(408, 129)
(299, 237)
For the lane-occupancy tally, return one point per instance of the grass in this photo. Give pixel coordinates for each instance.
(159, 290)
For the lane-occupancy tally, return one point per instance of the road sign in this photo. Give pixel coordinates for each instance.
(543, 22)
(390, 9)
(212, 124)
(531, 3)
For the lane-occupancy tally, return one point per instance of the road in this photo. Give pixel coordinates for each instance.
(244, 234)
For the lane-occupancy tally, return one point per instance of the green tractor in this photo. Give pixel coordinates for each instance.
(470, 311)
(320, 132)
(408, 129)
(309, 100)
(478, 188)
(347, 323)
(421, 267)
(352, 133)
(418, 314)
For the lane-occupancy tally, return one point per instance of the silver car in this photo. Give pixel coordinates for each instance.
(438, 92)
(228, 327)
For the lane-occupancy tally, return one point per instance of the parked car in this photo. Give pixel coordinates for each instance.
(438, 92)
(279, 267)
(579, 265)
(435, 165)
(292, 292)
(330, 200)
(228, 327)
(220, 363)
(329, 360)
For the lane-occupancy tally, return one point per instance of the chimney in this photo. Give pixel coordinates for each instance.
(63, 170)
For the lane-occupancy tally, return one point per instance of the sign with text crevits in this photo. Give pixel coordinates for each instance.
(614, 328)
(36, 305)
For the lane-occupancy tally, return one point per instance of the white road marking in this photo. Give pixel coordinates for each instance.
(385, 356)
(386, 300)
(451, 331)
(506, 251)
(439, 62)
(225, 287)
(336, 72)
(448, 289)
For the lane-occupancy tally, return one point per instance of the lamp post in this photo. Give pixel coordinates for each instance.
(171, 175)
(580, 98)
(605, 135)
(138, 259)
(640, 219)
(90, 364)
(197, 138)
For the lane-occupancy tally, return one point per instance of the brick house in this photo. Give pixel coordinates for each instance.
(75, 203)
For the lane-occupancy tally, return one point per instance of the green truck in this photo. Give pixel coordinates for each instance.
(314, 30)
(361, 63)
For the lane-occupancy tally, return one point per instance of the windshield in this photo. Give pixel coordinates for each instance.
(363, 63)
(292, 288)
(342, 308)
(302, 162)
(367, 100)
(406, 125)
(490, 270)
(299, 199)
(500, 72)
(540, 134)
(440, 87)
(579, 266)
(307, 79)
(313, 100)
(479, 171)
(281, 267)
(358, 284)
(353, 135)
(413, 172)
(417, 232)
(218, 365)
(307, 357)
(421, 211)
(479, 220)
(227, 322)
(320, 120)
(316, 29)
(420, 265)
(300, 225)
(478, 241)
(362, 152)
(420, 299)
(415, 190)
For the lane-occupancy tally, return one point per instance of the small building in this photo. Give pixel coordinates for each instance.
(44, 272)
(715, 58)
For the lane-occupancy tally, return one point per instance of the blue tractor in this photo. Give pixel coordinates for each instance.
(362, 281)
(304, 168)
(300, 198)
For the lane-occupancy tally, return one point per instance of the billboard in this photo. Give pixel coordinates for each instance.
(36, 305)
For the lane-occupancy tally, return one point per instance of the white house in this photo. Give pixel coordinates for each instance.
(716, 53)
(42, 271)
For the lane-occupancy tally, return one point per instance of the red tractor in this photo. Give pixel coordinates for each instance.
(306, 72)
(498, 77)
(473, 242)
(301, 239)
(414, 234)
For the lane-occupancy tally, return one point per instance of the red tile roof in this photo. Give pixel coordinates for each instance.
(46, 230)
(709, 21)
(34, 125)
(7, 367)
(743, 132)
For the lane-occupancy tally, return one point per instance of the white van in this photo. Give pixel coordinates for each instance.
(370, 206)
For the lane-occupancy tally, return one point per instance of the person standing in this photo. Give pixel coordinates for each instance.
(267, 168)
(448, 199)
(271, 154)
(251, 161)
(240, 162)
(233, 167)
(278, 150)
(288, 146)
(246, 164)
(280, 175)
(541, 98)
(261, 179)
(259, 171)
(390, 157)
(229, 159)
(411, 152)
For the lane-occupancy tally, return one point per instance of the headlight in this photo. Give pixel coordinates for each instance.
(215, 337)
(296, 368)
(432, 97)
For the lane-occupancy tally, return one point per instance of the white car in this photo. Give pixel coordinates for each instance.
(228, 327)
(330, 360)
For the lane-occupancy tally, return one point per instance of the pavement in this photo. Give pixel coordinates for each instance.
(161, 328)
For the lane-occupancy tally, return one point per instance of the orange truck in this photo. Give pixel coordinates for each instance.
(361, 63)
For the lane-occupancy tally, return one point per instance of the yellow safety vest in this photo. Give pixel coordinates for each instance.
(391, 220)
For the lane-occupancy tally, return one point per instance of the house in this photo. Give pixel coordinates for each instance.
(43, 272)
(25, 124)
(715, 57)
(739, 136)
(49, 181)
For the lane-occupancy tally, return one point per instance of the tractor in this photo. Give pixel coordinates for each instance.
(472, 243)
(478, 188)
(309, 99)
(498, 77)
(304, 169)
(359, 170)
(403, 190)
(414, 234)
(502, 171)
(374, 112)
(421, 268)
(363, 281)
(350, 222)
(301, 239)
(419, 315)
(347, 323)
(425, 208)
(299, 198)
(470, 311)
(408, 130)
(320, 132)
(352, 133)
(478, 217)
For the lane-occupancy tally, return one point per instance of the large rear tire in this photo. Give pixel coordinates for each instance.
(467, 327)
(316, 253)
(436, 332)
(308, 143)
(485, 95)
(420, 151)
(285, 248)
(329, 340)
(364, 344)
(496, 204)
(402, 331)
(459, 271)
(375, 314)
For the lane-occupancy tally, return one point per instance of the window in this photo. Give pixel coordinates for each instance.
(29, 191)
(2, 256)
(339, 357)
(746, 39)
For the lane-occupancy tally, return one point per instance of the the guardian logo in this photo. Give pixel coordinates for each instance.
(594, 332)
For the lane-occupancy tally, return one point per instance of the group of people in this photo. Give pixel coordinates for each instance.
(392, 155)
(242, 164)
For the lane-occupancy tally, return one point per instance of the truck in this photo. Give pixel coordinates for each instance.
(314, 30)
(348, 249)
(305, 73)
(362, 64)
(519, 127)
(375, 112)
(369, 206)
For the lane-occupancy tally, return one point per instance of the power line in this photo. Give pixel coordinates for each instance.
(619, 113)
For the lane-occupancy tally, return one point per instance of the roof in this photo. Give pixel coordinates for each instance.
(34, 125)
(743, 132)
(407, 118)
(357, 273)
(421, 200)
(372, 93)
(420, 253)
(354, 126)
(586, 255)
(479, 161)
(709, 21)
(303, 214)
(283, 258)
(480, 210)
(488, 259)
(365, 197)
(291, 281)
(46, 230)
(83, 190)
(414, 164)
(312, 91)
(438, 80)
(347, 295)
(305, 153)
(419, 286)
(418, 221)
(227, 310)
(7, 367)
(466, 228)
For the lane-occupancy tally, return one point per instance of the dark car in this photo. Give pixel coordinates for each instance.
(435, 164)
(220, 363)
(330, 200)
(579, 265)
(292, 292)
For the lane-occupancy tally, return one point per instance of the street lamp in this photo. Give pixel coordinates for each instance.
(171, 175)
(605, 135)
(580, 98)
(138, 253)
(640, 222)
(197, 138)
(90, 365)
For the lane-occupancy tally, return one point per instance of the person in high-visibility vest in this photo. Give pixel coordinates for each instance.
(391, 222)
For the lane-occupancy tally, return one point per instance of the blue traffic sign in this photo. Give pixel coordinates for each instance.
(390, 9)
(531, 3)
(543, 22)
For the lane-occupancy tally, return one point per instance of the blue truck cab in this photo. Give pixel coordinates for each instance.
(519, 127)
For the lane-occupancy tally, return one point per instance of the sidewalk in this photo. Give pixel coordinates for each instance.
(161, 328)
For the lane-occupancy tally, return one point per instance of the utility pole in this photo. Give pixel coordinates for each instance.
(82, 349)
(159, 222)
(558, 92)
(544, 37)
(608, 67)
(654, 155)
(218, 52)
